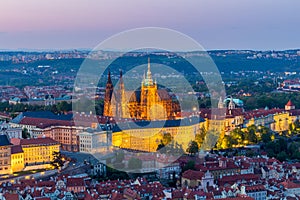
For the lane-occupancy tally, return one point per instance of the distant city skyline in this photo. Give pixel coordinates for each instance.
(231, 24)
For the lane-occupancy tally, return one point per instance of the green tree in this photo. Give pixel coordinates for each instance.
(64, 106)
(167, 138)
(210, 140)
(189, 165)
(193, 148)
(265, 134)
(282, 156)
(58, 161)
(199, 137)
(161, 148)
(25, 133)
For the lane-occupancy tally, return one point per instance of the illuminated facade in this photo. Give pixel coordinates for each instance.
(17, 158)
(150, 103)
(5, 158)
(38, 151)
(67, 136)
(146, 137)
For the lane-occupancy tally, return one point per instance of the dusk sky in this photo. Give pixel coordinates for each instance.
(215, 24)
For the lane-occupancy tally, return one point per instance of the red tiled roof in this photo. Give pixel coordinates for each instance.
(44, 123)
(290, 185)
(238, 198)
(289, 103)
(255, 188)
(33, 141)
(193, 175)
(261, 113)
(239, 177)
(71, 182)
(11, 196)
(131, 193)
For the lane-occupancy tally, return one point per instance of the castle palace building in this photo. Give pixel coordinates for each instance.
(148, 103)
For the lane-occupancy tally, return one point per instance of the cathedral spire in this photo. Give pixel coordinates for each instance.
(149, 80)
(108, 78)
(231, 104)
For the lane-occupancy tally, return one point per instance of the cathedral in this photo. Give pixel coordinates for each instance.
(148, 103)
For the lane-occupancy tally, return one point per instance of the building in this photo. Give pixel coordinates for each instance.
(5, 155)
(146, 136)
(17, 158)
(99, 169)
(257, 192)
(66, 135)
(63, 128)
(6, 129)
(75, 185)
(47, 100)
(289, 105)
(38, 152)
(191, 178)
(94, 141)
(169, 171)
(149, 102)
(291, 188)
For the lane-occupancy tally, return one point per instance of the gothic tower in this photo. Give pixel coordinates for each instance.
(149, 96)
(221, 103)
(231, 104)
(108, 97)
(122, 110)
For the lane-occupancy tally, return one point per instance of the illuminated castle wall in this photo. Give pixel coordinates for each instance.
(150, 103)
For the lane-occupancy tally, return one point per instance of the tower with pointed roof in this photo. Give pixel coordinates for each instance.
(149, 96)
(121, 108)
(231, 104)
(221, 103)
(148, 103)
(290, 105)
(108, 97)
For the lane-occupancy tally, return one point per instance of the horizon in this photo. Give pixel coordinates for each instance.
(121, 51)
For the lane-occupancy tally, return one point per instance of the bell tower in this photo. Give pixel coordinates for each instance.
(108, 97)
(149, 97)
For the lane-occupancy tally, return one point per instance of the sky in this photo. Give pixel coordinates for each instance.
(215, 24)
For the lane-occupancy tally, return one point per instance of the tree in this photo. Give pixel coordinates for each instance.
(193, 148)
(58, 161)
(282, 156)
(25, 133)
(167, 138)
(64, 106)
(199, 137)
(251, 134)
(210, 141)
(161, 147)
(265, 134)
(189, 165)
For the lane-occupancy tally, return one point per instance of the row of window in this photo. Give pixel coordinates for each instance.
(3, 162)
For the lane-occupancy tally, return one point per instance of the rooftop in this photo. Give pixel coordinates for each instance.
(33, 141)
(4, 140)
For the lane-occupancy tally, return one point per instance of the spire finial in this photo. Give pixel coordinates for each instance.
(148, 64)
(148, 79)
